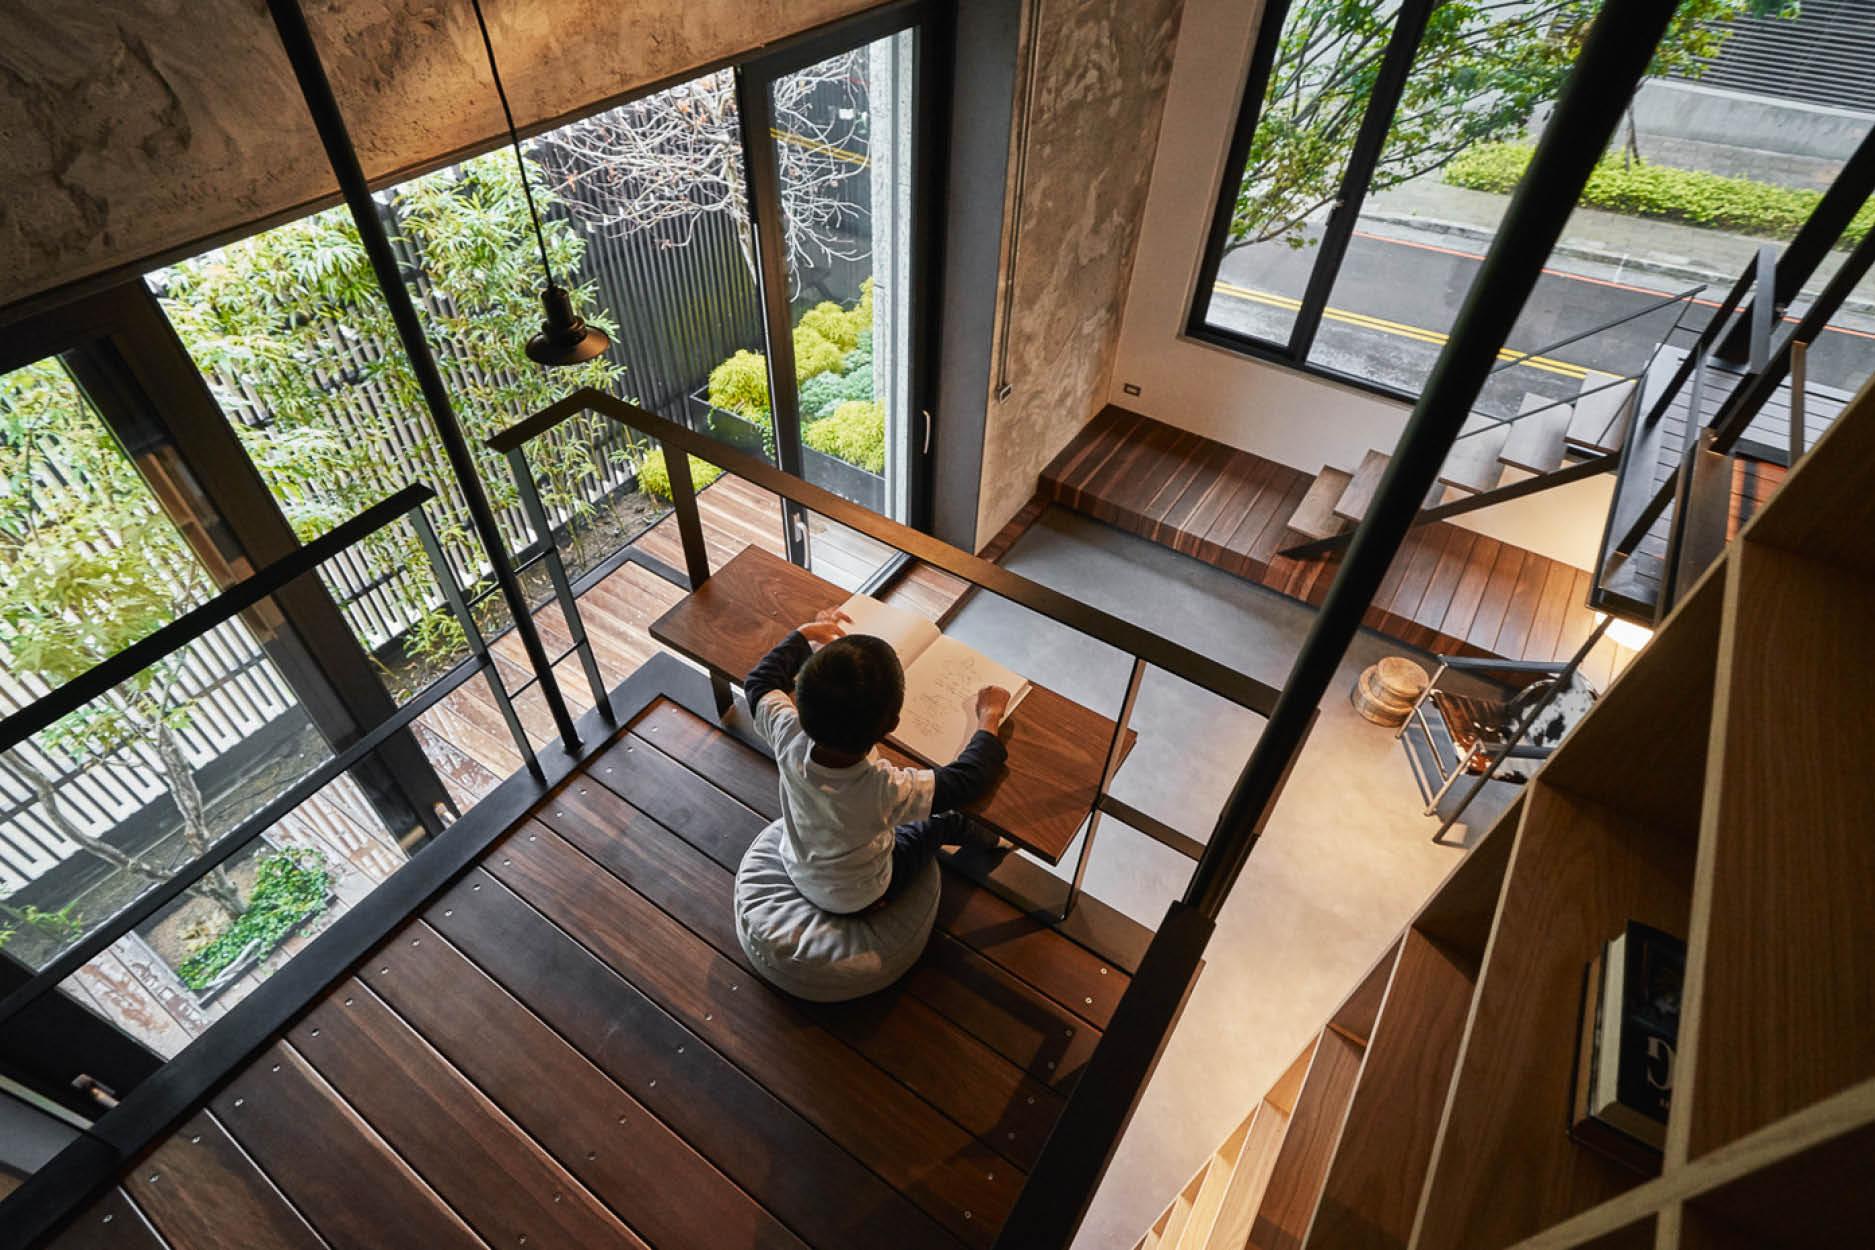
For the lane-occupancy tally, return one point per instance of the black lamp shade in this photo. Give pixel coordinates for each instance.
(564, 338)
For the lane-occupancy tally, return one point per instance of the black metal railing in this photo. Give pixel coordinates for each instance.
(1590, 464)
(679, 443)
(99, 682)
(1639, 504)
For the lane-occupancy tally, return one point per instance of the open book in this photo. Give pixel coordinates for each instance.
(942, 677)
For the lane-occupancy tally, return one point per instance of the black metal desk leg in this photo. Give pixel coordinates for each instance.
(1116, 752)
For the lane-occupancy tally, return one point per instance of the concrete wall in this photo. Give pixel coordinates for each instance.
(130, 129)
(1103, 67)
(1276, 412)
(1684, 110)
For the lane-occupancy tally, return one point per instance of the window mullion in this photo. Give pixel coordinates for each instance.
(763, 177)
(1363, 157)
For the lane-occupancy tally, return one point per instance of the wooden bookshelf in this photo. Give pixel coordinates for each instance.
(1784, 1013)
(1296, 1180)
(1723, 789)
(1579, 871)
(1373, 1183)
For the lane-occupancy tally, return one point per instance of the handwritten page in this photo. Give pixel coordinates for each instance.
(908, 632)
(941, 698)
(942, 677)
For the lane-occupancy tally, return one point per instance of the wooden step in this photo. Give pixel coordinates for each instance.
(1536, 440)
(1354, 501)
(1315, 515)
(1601, 416)
(1472, 464)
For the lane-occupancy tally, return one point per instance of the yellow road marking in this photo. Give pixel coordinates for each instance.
(815, 145)
(1399, 329)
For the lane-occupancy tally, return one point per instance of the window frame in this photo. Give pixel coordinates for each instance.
(1376, 120)
(755, 80)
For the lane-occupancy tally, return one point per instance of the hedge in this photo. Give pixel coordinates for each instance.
(854, 433)
(655, 480)
(1642, 190)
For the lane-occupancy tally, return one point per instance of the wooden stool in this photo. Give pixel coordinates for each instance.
(1385, 692)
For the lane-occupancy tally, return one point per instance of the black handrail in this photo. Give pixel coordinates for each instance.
(1160, 652)
(1688, 294)
(1741, 407)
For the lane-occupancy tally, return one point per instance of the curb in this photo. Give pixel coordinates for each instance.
(1680, 268)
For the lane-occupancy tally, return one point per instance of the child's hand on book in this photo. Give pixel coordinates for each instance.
(825, 627)
(992, 706)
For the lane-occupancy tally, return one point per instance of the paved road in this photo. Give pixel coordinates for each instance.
(1394, 301)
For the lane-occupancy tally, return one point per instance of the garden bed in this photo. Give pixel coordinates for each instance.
(848, 481)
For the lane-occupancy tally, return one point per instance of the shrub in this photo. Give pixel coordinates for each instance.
(814, 354)
(1692, 196)
(833, 323)
(654, 479)
(740, 385)
(289, 886)
(854, 433)
(821, 394)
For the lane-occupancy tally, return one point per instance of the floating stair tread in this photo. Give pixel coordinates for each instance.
(1315, 515)
(1472, 464)
(1354, 501)
(1601, 415)
(1535, 444)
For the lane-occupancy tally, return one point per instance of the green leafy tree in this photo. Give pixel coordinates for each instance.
(89, 565)
(297, 341)
(1481, 72)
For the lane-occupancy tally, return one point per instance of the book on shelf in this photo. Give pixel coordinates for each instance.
(1629, 1028)
(942, 677)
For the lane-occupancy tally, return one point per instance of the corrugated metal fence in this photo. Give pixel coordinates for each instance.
(1824, 55)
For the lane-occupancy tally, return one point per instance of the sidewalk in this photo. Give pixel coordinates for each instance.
(1607, 246)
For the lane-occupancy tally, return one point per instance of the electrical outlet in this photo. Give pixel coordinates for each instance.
(1129, 388)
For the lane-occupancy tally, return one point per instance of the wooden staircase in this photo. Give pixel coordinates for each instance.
(1260, 1188)
(1218, 1207)
(1486, 455)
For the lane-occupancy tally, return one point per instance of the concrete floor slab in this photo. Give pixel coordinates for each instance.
(1344, 862)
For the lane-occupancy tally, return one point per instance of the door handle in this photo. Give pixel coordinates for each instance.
(927, 431)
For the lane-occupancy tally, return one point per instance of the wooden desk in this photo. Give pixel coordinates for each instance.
(1057, 748)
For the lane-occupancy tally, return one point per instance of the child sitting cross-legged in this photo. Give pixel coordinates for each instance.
(856, 829)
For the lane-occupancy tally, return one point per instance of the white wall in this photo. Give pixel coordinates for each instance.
(1280, 413)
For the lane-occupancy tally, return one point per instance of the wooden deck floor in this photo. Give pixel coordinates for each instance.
(566, 1047)
(468, 743)
(1449, 590)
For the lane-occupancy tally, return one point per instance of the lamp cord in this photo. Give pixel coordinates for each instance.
(514, 138)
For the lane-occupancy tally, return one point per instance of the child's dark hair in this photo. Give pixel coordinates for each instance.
(850, 692)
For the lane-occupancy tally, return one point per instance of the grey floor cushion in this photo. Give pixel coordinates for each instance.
(814, 954)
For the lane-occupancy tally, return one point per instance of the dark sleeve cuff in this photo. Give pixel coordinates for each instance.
(776, 670)
(969, 776)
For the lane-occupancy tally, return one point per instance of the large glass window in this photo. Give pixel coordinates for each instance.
(1376, 154)
(843, 153)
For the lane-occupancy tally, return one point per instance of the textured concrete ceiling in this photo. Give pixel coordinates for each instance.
(132, 128)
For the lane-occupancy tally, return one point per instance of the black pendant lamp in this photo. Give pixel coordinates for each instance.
(564, 338)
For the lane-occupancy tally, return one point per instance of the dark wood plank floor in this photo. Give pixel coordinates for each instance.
(1450, 589)
(567, 1047)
